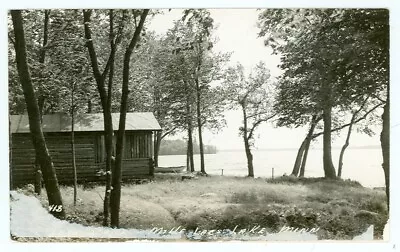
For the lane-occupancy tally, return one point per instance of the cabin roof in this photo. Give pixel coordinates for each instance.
(61, 122)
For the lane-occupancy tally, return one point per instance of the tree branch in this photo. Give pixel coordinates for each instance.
(45, 36)
(377, 97)
(121, 27)
(348, 124)
(258, 123)
(93, 59)
(256, 114)
(89, 44)
(136, 34)
(169, 132)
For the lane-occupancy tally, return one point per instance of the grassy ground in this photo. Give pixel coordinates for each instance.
(341, 209)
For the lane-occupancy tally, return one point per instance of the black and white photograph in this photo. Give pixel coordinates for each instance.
(199, 124)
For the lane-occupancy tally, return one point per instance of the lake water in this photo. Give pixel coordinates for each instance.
(363, 165)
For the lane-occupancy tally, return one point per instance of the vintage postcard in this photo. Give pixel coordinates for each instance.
(200, 124)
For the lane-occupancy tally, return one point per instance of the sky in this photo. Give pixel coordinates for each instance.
(237, 33)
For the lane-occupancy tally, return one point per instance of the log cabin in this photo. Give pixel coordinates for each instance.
(89, 147)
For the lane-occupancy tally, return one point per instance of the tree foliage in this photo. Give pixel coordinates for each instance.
(330, 58)
(254, 95)
(183, 69)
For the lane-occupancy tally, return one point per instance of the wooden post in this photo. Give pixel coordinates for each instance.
(272, 172)
(222, 172)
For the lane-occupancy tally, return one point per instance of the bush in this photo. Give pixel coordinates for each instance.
(243, 217)
(301, 220)
(341, 227)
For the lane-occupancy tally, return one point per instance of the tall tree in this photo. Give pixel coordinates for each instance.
(372, 68)
(299, 45)
(41, 98)
(122, 33)
(39, 143)
(302, 153)
(175, 75)
(385, 143)
(117, 175)
(201, 23)
(184, 67)
(325, 51)
(364, 106)
(105, 96)
(314, 121)
(153, 58)
(37, 42)
(189, 120)
(254, 96)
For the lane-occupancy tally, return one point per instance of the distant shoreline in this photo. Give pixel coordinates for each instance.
(367, 147)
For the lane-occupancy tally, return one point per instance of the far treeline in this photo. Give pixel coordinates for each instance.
(334, 78)
(179, 147)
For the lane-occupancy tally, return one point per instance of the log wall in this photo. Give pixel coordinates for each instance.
(59, 145)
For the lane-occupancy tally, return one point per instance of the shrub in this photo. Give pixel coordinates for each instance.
(301, 220)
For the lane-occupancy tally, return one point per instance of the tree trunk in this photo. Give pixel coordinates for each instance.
(249, 157)
(41, 98)
(49, 175)
(187, 158)
(42, 54)
(329, 169)
(41, 101)
(189, 130)
(38, 177)
(344, 147)
(202, 166)
(297, 163)
(105, 103)
(385, 145)
(73, 141)
(108, 140)
(108, 127)
(157, 145)
(308, 139)
(42, 58)
(190, 146)
(115, 199)
(198, 110)
(246, 139)
(305, 155)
